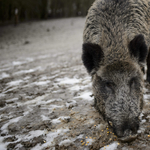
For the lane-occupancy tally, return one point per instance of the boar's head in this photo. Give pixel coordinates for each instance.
(118, 86)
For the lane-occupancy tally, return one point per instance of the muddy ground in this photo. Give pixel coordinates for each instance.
(46, 99)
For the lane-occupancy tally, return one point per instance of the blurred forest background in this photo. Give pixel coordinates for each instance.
(26, 10)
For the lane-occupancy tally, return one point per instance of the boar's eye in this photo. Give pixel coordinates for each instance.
(109, 86)
(133, 81)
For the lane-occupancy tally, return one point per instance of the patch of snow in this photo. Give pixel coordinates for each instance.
(71, 104)
(43, 57)
(141, 115)
(58, 120)
(75, 88)
(27, 71)
(5, 126)
(53, 100)
(5, 69)
(14, 83)
(90, 141)
(100, 126)
(43, 78)
(66, 142)
(87, 80)
(2, 94)
(42, 83)
(44, 118)
(11, 89)
(91, 121)
(55, 106)
(79, 87)
(24, 72)
(141, 130)
(18, 146)
(68, 80)
(29, 59)
(143, 121)
(17, 63)
(4, 75)
(145, 89)
(11, 100)
(3, 146)
(32, 134)
(112, 146)
(49, 139)
(80, 136)
(146, 96)
(37, 100)
(52, 77)
(26, 78)
(86, 96)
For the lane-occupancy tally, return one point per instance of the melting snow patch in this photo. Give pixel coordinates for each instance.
(146, 96)
(11, 100)
(68, 80)
(42, 83)
(71, 104)
(143, 121)
(16, 63)
(14, 83)
(18, 146)
(86, 96)
(44, 118)
(11, 89)
(65, 142)
(2, 95)
(37, 100)
(91, 121)
(80, 136)
(24, 72)
(4, 75)
(29, 59)
(58, 120)
(53, 100)
(5, 126)
(141, 130)
(50, 137)
(33, 134)
(90, 141)
(27, 71)
(112, 146)
(3, 146)
(141, 115)
(77, 87)
(55, 106)
(87, 80)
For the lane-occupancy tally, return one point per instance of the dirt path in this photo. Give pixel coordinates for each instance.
(46, 100)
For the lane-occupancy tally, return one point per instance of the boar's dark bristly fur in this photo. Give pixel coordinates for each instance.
(115, 50)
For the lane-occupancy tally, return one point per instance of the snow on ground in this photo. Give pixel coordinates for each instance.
(112, 146)
(46, 97)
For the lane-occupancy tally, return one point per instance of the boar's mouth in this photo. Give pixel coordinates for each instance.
(126, 132)
(128, 138)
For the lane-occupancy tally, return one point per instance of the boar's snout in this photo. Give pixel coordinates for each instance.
(127, 131)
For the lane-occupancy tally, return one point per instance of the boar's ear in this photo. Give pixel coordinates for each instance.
(91, 56)
(138, 48)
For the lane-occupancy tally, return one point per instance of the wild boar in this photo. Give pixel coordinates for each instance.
(115, 48)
